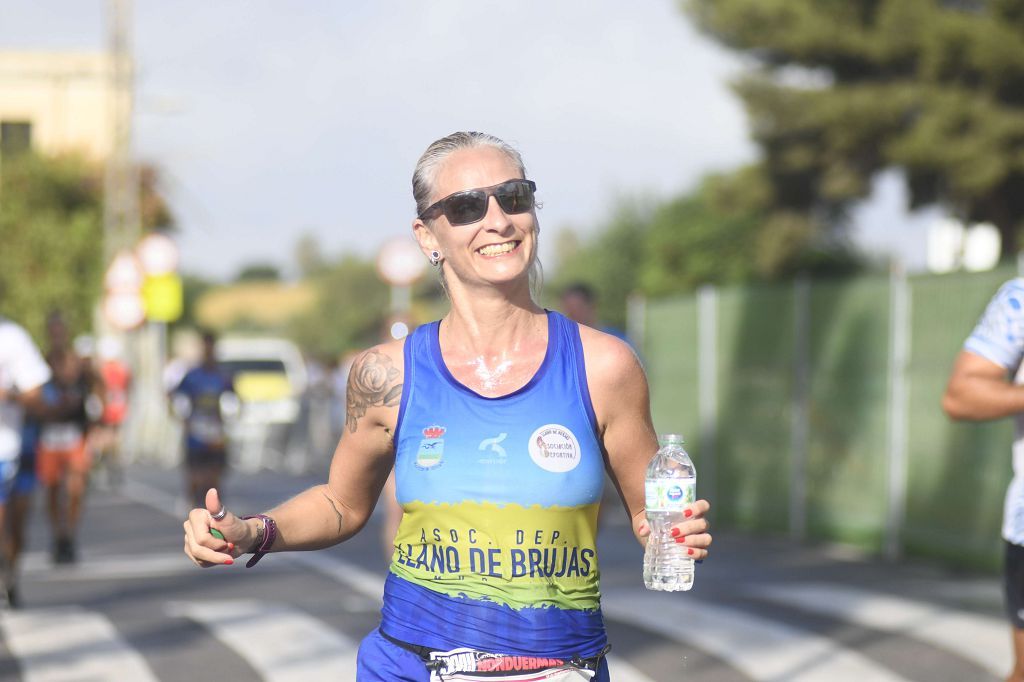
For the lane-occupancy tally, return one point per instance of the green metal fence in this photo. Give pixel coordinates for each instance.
(813, 409)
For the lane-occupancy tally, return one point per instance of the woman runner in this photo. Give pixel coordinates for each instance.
(500, 421)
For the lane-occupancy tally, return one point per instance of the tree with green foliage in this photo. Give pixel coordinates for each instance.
(692, 240)
(259, 272)
(51, 236)
(609, 262)
(725, 231)
(192, 288)
(846, 89)
(351, 308)
(51, 240)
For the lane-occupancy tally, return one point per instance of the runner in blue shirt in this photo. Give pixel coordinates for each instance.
(199, 400)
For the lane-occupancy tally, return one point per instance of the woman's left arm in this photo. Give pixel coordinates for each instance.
(622, 404)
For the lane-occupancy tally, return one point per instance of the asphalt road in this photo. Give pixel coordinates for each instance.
(134, 608)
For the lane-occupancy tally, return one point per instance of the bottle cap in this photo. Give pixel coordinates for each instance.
(671, 439)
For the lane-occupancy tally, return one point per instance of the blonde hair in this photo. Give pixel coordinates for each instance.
(425, 175)
(424, 179)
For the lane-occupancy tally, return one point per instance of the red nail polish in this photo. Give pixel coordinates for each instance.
(688, 513)
(681, 539)
(675, 532)
(689, 550)
(231, 561)
(231, 545)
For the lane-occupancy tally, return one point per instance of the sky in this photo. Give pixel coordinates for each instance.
(270, 121)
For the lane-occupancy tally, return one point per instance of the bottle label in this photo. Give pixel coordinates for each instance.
(669, 495)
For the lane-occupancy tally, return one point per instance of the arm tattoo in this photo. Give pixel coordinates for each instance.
(371, 383)
(337, 512)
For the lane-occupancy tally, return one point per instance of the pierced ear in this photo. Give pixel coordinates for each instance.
(425, 238)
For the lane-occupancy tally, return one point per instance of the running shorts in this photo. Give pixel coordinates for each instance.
(200, 458)
(8, 468)
(1013, 585)
(52, 465)
(24, 481)
(381, 661)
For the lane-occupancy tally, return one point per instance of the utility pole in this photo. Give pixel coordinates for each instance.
(121, 229)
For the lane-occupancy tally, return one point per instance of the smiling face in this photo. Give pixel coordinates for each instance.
(496, 250)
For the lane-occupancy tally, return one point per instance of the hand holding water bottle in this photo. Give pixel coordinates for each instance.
(674, 519)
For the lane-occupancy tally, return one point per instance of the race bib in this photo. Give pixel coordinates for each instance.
(60, 436)
(206, 429)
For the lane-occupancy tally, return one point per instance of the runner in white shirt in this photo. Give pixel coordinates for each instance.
(23, 371)
(987, 382)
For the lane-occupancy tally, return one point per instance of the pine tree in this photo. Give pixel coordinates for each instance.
(844, 89)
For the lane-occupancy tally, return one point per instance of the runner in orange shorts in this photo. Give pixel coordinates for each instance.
(53, 466)
(63, 460)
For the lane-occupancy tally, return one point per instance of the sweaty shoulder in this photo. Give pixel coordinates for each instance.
(375, 385)
(614, 374)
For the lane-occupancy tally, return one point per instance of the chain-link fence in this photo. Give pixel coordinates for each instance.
(813, 409)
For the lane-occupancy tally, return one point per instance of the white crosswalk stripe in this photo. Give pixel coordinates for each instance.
(281, 643)
(70, 645)
(983, 640)
(760, 648)
(111, 567)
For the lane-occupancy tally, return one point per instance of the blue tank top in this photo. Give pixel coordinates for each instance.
(496, 549)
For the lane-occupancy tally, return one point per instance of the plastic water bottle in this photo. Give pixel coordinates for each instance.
(670, 485)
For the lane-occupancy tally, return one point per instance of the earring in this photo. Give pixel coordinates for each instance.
(435, 258)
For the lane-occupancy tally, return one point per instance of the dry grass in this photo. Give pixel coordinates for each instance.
(269, 304)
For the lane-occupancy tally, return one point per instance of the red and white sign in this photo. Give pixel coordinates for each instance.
(158, 254)
(124, 274)
(123, 310)
(400, 262)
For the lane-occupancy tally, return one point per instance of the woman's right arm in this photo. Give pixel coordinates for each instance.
(327, 514)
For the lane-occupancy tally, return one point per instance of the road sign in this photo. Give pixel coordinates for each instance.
(163, 298)
(124, 274)
(400, 262)
(158, 254)
(123, 310)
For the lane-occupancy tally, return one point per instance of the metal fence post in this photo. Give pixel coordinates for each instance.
(800, 400)
(636, 319)
(707, 384)
(899, 352)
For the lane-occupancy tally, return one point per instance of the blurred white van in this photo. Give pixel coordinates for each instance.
(270, 377)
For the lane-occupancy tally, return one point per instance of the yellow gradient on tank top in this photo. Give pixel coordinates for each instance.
(509, 554)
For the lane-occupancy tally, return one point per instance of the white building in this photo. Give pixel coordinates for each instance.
(57, 102)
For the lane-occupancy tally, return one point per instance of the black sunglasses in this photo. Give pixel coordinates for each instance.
(470, 206)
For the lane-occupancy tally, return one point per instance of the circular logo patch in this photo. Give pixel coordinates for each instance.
(554, 448)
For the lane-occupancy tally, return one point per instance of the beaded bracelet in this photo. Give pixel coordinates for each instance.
(264, 539)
